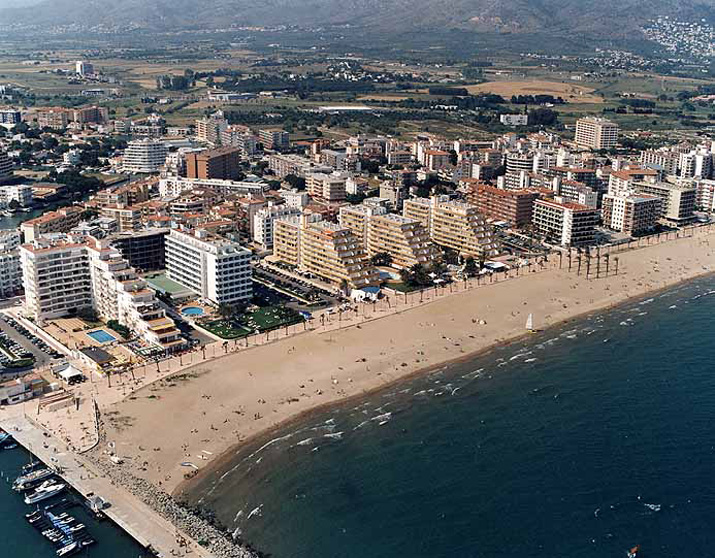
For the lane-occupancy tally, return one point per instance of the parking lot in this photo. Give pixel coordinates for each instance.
(17, 334)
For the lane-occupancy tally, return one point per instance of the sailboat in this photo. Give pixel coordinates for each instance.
(633, 552)
(530, 324)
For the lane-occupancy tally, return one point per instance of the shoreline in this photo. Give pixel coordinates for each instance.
(263, 379)
(261, 438)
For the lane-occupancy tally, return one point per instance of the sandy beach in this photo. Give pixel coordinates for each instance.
(208, 409)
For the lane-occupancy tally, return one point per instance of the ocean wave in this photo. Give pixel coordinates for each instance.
(334, 436)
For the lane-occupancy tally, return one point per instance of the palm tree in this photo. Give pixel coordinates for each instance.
(226, 311)
(345, 287)
(616, 259)
(607, 257)
(578, 271)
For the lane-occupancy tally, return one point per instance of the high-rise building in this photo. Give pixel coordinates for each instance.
(144, 156)
(211, 128)
(453, 224)
(10, 117)
(406, 240)
(264, 220)
(220, 163)
(596, 133)
(10, 267)
(565, 223)
(276, 140)
(678, 199)
(513, 206)
(357, 218)
(144, 250)
(214, 268)
(326, 187)
(56, 278)
(336, 255)
(633, 215)
(5, 165)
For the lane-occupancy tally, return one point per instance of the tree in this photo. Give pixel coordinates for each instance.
(297, 182)
(438, 268)
(226, 311)
(470, 267)
(382, 259)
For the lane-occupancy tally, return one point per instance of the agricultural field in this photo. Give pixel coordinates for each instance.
(569, 91)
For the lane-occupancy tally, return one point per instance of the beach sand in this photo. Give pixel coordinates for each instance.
(226, 401)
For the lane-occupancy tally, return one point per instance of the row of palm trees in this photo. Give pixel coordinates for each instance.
(586, 255)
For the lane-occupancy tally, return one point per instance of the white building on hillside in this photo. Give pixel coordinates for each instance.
(144, 156)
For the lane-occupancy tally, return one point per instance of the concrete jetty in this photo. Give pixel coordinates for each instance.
(126, 510)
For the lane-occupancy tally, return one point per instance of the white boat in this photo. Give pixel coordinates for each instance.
(44, 492)
(530, 324)
(69, 549)
(25, 481)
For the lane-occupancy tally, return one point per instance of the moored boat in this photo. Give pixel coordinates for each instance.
(26, 481)
(44, 492)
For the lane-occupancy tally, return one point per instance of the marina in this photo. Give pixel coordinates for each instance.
(57, 471)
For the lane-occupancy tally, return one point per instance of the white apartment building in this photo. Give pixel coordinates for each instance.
(10, 268)
(215, 268)
(172, 186)
(56, 277)
(678, 199)
(144, 156)
(565, 223)
(264, 219)
(634, 214)
(596, 133)
(120, 294)
(20, 193)
(705, 195)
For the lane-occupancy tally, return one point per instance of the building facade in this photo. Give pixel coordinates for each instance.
(565, 223)
(596, 133)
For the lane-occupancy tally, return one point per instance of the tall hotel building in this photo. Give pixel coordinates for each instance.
(144, 156)
(215, 268)
(596, 133)
(406, 240)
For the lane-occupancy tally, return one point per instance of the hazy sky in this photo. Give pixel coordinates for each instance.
(14, 3)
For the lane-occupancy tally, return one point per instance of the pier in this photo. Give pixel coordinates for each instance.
(126, 510)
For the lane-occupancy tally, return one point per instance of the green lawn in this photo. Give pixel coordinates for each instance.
(225, 330)
(263, 319)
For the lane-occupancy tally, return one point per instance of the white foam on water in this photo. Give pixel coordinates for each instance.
(334, 436)
(256, 512)
(306, 442)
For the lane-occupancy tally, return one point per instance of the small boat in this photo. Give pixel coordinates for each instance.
(44, 492)
(10, 446)
(26, 481)
(69, 549)
(4, 436)
(633, 552)
(530, 324)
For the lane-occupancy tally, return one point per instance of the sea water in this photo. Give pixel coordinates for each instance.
(580, 441)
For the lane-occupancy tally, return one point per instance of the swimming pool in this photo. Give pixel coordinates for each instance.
(101, 336)
(192, 311)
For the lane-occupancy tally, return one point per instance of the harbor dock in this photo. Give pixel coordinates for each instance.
(144, 524)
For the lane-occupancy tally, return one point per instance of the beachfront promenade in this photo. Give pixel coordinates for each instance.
(126, 510)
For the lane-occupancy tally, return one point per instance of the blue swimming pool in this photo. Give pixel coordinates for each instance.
(101, 336)
(192, 311)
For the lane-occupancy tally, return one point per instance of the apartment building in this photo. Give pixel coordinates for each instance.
(329, 188)
(514, 206)
(120, 294)
(21, 194)
(276, 140)
(210, 129)
(453, 224)
(55, 118)
(336, 255)
(663, 159)
(357, 218)
(284, 164)
(621, 182)
(10, 117)
(577, 192)
(217, 269)
(240, 138)
(56, 278)
(565, 223)
(5, 165)
(633, 215)
(128, 218)
(62, 220)
(144, 156)
(436, 159)
(264, 220)
(90, 115)
(517, 162)
(406, 240)
(596, 133)
(176, 185)
(222, 163)
(678, 199)
(287, 234)
(10, 267)
(705, 195)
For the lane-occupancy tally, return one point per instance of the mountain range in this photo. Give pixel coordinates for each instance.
(610, 19)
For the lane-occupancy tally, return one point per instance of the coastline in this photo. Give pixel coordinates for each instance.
(261, 438)
(336, 373)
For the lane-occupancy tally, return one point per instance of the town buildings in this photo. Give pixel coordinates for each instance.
(678, 199)
(406, 240)
(514, 206)
(5, 165)
(264, 219)
(10, 267)
(62, 220)
(633, 214)
(275, 140)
